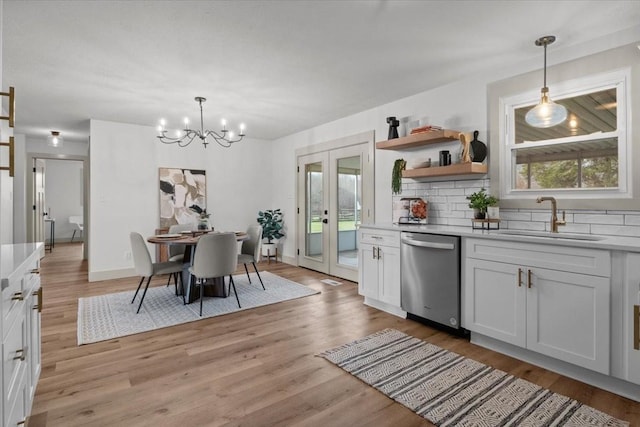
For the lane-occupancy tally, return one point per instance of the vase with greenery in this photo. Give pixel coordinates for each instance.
(203, 217)
(479, 201)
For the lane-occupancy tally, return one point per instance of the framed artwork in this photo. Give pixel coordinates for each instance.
(183, 195)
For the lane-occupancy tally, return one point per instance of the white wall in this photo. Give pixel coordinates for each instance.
(124, 161)
(63, 192)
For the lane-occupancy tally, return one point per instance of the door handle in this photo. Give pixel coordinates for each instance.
(519, 277)
(432, 245)
(529, 274)
(325, 221)
(636, 327)
(374, 252)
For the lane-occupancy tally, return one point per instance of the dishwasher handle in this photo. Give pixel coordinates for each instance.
(433, 245)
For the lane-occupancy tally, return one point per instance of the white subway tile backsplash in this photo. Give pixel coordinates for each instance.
(515, 216)
(622, 230)
(448, 205)
(632, 219)
(598, 219)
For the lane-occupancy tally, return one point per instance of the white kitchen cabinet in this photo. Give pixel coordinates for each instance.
(21, 297)
(536, 296)
(631, 313)
(379, 275)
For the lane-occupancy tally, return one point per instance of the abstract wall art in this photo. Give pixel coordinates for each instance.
(182, 195)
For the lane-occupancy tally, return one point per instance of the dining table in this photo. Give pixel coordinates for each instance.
(190, 240)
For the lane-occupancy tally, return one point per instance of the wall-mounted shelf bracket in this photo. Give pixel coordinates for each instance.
(12, 106)
(9, 168)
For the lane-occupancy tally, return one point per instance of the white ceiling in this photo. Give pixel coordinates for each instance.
(278, 66)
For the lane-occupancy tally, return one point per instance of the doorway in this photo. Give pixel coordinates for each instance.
(335, 195)
(56, 192)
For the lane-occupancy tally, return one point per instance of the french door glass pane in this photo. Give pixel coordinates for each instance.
(349, 209)
(314, 206)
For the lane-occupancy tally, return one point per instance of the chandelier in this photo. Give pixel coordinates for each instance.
(547, 113)
(184, 137)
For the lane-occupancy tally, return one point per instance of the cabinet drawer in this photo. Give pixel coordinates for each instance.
(380, 237)
(13, 300)
(14, 359)
(594, 262)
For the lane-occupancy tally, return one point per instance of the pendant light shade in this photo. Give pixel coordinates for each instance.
(547, 113)
(54, 140)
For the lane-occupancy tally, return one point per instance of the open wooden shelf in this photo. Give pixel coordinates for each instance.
(455, 169)
(419, 139)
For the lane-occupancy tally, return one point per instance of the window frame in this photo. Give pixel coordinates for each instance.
(619, 79)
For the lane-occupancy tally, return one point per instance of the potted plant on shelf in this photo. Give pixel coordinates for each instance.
(272, 228)
(480, 201)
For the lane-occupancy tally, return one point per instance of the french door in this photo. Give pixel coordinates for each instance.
(335, 194)
(39, 210)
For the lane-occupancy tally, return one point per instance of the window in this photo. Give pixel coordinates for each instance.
(584, 157)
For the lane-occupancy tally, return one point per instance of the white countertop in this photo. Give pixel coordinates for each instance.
(13, 257)
(615, 243)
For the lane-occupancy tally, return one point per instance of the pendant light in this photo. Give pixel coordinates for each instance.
(55, 140)
(547, 113)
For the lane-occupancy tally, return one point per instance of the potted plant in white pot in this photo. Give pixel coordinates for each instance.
(272, 228)
(480, 201)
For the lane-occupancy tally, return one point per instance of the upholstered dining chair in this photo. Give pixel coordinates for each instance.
(78, 223)
(216, 256)
(250, 251)
(176, 252)
(147, 269)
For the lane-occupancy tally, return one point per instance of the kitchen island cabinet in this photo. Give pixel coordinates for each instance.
(20, 323)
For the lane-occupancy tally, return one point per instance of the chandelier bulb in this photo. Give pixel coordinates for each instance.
(186, 122)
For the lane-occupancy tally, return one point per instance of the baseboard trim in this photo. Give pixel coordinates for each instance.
(97, 276)
(391, 309)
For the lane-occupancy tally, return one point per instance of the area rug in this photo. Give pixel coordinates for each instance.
(450, 390)
(110, 316)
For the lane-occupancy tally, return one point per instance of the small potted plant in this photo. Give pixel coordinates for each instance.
(480, 201)
(272, 223)
(203, 217)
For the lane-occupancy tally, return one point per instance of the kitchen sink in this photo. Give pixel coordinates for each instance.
(548, 235)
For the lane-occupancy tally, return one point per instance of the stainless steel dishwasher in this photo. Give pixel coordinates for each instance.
(430, 277)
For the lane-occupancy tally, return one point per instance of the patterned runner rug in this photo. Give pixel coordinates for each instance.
(450, 390)
(109, 316)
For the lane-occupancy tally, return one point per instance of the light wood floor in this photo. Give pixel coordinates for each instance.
(252, 368)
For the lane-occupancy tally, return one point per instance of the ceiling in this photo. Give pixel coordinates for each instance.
(278, 66)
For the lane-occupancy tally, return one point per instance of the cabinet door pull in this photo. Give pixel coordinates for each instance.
(38, 306)
(19, 354)
(529, 274)
(519, 277)
(35, 271)
(21, 423)
(17, 297)
(373, 252)
(379, 256)
(636, 327)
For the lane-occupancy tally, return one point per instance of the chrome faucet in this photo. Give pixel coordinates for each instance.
(555, 222)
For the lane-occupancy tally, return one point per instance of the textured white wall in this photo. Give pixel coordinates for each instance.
(124, 187)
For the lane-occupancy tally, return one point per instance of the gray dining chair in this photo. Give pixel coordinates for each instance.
(250, 251)
(147, 269)
(215, 257)
(176, 252)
